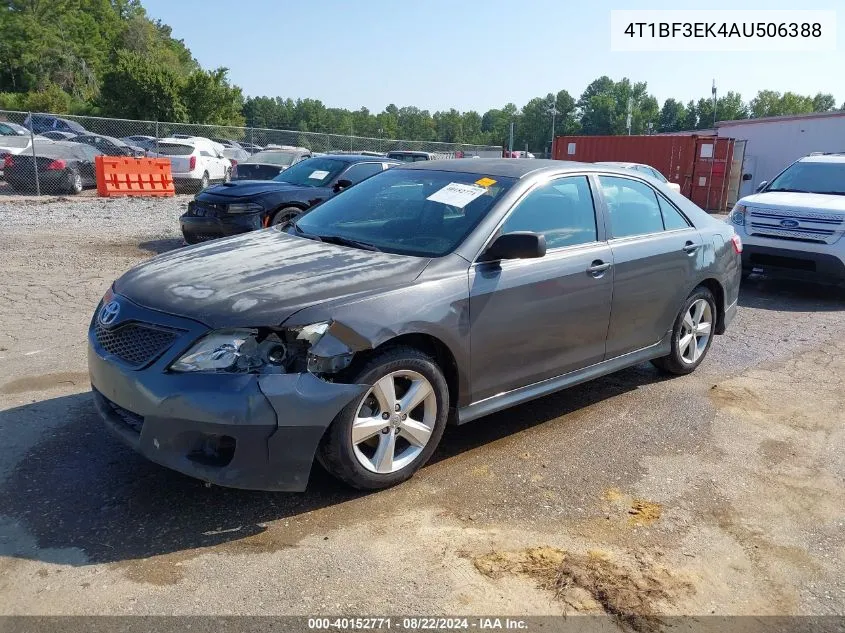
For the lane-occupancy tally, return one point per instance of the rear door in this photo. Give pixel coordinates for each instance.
(655, 256)
(533, 319)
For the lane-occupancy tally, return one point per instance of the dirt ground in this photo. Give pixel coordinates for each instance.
(634, 495)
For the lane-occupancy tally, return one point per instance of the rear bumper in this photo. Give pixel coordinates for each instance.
(793, 263)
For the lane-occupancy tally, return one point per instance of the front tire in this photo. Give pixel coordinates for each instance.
(384, 437)
(285, 216)
(74, 182)
(692, 334)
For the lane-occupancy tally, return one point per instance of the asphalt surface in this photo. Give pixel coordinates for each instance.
(724, 489)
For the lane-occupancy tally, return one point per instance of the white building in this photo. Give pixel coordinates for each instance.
(773, 143)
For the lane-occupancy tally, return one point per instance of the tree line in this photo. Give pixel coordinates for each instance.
(108, 58)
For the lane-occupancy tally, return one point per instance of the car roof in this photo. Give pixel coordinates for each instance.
(358, 158)
(615, 163)
(510, 167)
(113, 139)
(823, 158)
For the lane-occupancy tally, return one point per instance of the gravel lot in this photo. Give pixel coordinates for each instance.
(721, 492)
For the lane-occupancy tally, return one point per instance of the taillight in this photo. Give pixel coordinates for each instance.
(193, 163)
(737, 242)
(57, 165)
(8, 162)
(234, 162)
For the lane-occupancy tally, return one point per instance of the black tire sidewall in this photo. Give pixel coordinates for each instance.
(292, 211)
(676, 363)
(336, 454)
(72, 177)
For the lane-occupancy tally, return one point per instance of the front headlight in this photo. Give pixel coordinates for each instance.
(245, 207)
(737, 216)
(251, 351)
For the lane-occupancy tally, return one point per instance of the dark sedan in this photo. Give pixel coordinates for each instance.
(63, 167)
(268, 164)
(109, 145)
(246, 205)
(436, 292)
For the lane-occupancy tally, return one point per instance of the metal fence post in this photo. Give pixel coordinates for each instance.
(157, 136)
(34, 158)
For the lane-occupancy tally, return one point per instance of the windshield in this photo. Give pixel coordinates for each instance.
(406, 211)
(272, 158)
(811, 177)
(314, 172)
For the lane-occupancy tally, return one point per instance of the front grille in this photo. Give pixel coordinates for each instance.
(813, 226)
(129, 419)
(207, 210)
(136, 344)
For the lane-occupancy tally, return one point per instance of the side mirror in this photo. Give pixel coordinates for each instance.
(746, 177)
(761, 186)
(342, 184)
(517, 245)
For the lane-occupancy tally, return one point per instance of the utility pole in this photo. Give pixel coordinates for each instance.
(630, 114)
(714, 105)
(510, 142)
(554, 112)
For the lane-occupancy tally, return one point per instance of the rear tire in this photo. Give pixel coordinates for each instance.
(74, 182)
(410, 390)
(204, 181)
(692, 334)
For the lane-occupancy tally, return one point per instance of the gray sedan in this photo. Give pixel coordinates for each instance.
(433, 293)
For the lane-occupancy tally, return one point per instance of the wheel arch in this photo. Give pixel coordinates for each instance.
(718, 292)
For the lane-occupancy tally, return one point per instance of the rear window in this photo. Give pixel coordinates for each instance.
(172, 149)
(272, 158)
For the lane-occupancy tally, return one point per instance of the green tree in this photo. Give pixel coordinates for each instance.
(139, 88)
(209, 99)
(824, 103)
(672, 116)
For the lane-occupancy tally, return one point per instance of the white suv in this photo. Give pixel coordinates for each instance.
(795, 223)
(194, 162)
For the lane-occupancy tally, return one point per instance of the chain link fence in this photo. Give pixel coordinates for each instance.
(39, 161)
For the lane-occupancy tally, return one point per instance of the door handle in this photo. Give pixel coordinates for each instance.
(690, 247)
(598, 267)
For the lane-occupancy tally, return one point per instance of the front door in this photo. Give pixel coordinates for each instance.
(533, 319)
(655, 255)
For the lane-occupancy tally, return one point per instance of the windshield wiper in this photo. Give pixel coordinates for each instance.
(786, 190)
(346, 241)
(310, 236)
(832, 193)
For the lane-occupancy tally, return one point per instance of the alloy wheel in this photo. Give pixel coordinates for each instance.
(696, 330)
(394, 421)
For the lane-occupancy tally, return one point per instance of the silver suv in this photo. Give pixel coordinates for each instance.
(795, 223)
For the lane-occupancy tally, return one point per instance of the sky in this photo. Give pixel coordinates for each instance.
(471, 54)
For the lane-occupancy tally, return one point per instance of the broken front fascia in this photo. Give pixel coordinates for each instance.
(332, 350)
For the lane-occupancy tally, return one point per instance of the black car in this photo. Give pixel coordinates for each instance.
(246, 205)
(63, 167)
(109, 145)
(39, 123)
(269, 163)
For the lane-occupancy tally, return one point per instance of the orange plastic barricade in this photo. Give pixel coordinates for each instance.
(123, 176)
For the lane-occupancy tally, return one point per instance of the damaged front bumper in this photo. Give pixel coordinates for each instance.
(249, 431)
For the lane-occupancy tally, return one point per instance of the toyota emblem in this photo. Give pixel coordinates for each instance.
(109, 312)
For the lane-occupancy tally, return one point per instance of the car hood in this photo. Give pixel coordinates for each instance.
(790, 200)
(248, 188)
(261, 278)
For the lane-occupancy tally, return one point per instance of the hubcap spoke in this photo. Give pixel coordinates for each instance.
(417, 392)
(385, 392)
(698, 307)
(383, 458)
(703, 328)
(365, 428)
(688, 323)
(415, 432)
(684, 344)
(696, 352)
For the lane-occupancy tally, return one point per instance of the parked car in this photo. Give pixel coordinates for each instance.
(644, 169)
(193, 165)
(55, 135)
(410, 157)
(109, 145)
(268, 164)
(140, 140)
(63, 167)
(39, 123)
(246, 205)
(252, 148)
(795, 224)
(235, 155)
(10, 129)
(433, 292)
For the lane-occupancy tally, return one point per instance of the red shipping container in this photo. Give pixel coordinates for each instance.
(699, 164)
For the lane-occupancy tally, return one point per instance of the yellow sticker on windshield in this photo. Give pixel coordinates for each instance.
(485, 182)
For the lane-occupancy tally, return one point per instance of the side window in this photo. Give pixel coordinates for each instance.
(206, 153)
(358, 172)
(632, 206)
(672, 218)
(562, 210)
